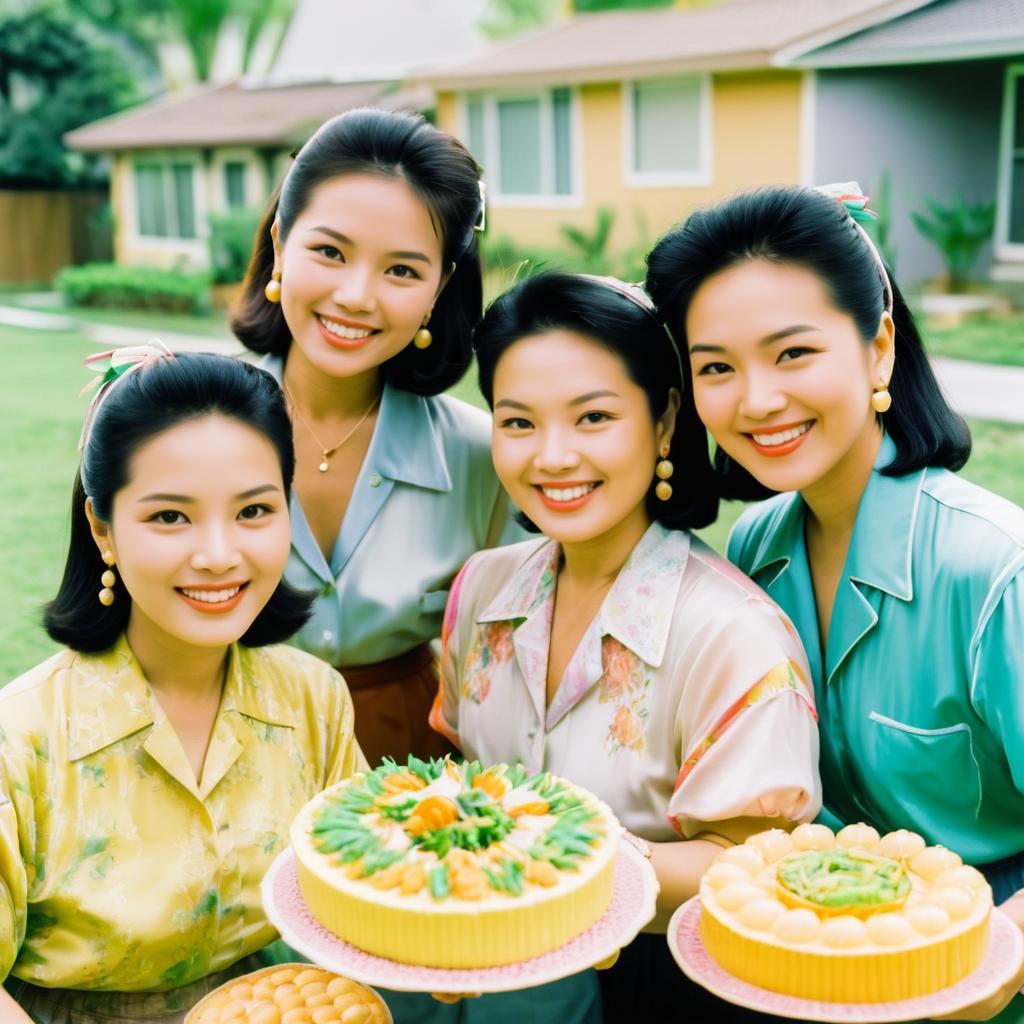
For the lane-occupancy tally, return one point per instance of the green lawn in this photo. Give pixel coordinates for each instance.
(40, 419)
(993, 340)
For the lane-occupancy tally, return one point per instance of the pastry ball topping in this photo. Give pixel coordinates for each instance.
(842, 881)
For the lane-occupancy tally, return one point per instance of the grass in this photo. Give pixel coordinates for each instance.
(992, 340)
(40, 420)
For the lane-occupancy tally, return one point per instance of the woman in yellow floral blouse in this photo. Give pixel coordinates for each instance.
(150, 770)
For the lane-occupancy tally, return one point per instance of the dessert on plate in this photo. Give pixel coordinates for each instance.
(455, 865)
(848, 917)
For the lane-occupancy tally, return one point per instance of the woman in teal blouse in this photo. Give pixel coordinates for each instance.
(905, 582)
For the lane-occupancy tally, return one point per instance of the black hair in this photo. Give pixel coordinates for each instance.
(441, 171)
(791, 224)
(137, 408)
(558, 301)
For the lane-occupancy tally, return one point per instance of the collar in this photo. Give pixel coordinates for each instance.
(881, 549)
(638, 609)
(406, 444)
(111, 699)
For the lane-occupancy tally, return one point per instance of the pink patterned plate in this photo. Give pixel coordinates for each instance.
(632, 906)
(1003, 957)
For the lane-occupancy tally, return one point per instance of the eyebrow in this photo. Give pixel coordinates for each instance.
(769, 339)
(511, 403)
(398, 254)
(184, 499)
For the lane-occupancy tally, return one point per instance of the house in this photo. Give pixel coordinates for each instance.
(655, 112)
(179, 159)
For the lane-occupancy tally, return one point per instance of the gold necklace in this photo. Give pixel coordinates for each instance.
(326, 453)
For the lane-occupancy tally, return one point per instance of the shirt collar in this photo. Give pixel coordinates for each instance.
(111, 699)
(406, 445)
(881, 549)
(638, 609)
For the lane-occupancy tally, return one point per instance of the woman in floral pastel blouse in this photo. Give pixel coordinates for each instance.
(149, 771)
(622, 653)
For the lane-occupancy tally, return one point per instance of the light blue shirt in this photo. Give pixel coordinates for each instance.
(920, 692)
(426, 498)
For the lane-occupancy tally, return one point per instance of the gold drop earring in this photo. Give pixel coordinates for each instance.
(108, 579)
(422, 338)
(881, 400)
(663, 470)
(273, 288)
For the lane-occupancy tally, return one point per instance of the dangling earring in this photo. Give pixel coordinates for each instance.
(422, 338)
(273, 288)
(881, 400)
(108, 579)
(663, 470)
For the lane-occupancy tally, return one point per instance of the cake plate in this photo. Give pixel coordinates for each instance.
(633, 901)
(1002, 959)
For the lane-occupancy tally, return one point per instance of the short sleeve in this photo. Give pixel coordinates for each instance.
(13, 877)
(997, 674)
(747, 728)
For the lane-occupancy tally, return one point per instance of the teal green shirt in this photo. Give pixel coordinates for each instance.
(920, 692)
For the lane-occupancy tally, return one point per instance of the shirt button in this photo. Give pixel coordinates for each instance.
(375, 480)
(328, 636)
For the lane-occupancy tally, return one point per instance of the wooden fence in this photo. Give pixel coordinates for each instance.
(40, 232)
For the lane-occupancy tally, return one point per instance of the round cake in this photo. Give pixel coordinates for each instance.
(290, 994)
(848, 917)
(455, 865)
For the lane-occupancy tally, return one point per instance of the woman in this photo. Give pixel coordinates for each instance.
(149, 771)
(611, 653)
(363, 288)
(905, 582)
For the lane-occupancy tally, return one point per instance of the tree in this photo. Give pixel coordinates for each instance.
(52, 79)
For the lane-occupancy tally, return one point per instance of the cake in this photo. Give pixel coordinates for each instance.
(847, 917)
(290, 994)
(455, 865)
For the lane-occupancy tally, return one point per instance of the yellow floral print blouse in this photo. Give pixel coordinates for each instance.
(117, 870)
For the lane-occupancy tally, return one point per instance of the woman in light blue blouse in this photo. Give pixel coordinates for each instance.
(362, 291)
(905, 582)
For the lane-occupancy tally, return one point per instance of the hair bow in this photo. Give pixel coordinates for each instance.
(848, 194)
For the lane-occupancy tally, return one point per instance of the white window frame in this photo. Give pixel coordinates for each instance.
(1004, 248)
(490, 158)
(195, 247)
(704, 173)
(253, 186)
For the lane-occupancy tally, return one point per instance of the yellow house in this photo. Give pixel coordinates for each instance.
(648, 112)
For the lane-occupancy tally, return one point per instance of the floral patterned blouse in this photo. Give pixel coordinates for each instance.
(118, 871)
(686, 706)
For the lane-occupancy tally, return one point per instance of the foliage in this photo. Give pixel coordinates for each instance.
(958, 230)
(231, 239)
(509, 17)
(880, 230)
(589, 6)
(591, 247)
(121, 287)
(53, 78)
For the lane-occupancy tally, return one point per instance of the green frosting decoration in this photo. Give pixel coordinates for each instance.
(843, 880)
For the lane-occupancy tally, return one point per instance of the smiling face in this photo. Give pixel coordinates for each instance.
(200, 534)
(360, 272)
(783, 379)
(573, 440)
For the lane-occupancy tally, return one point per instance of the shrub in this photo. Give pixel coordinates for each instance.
(958, 230)
(231, 240)
(114, 286)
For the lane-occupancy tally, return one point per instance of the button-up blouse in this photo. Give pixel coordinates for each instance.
(426, 498)
(921, 687)
(118, 870)
(686, 706)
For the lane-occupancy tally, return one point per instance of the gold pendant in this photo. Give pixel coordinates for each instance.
(323, 467)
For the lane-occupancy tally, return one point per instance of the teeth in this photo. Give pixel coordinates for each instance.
(567, 493)
(211, 596)
(771, 440)
(351, 333)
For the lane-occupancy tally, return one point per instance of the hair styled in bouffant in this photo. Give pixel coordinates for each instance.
(585, 305)
(138, 407)
(441, 171)
(792, 224)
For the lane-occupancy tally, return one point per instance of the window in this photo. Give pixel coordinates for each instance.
(165, 200)
(668, 131)
(234, 183)
(1010, 231)
(525, 142)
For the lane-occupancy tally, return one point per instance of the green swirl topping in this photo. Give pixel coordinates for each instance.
(841, 880)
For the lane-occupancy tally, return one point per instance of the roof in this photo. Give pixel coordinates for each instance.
(235, 115)
(735, 34)
(946, 30)
(355, 40)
